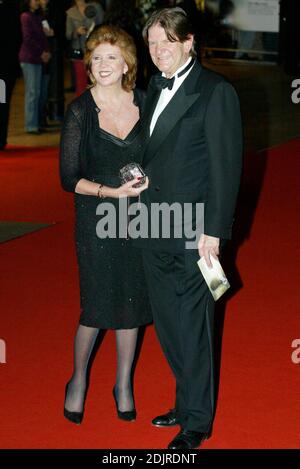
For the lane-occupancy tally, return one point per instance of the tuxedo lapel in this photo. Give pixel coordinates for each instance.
(183, 99)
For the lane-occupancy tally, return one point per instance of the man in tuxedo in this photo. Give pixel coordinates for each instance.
(193, 155)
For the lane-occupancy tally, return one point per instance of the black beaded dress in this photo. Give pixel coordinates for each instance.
(112, 286)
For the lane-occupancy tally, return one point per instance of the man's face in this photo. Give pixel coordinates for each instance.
(166, 55)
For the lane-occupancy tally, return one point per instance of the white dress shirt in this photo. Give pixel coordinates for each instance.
(166, 95)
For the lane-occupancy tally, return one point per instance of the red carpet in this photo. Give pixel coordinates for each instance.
(258, 405)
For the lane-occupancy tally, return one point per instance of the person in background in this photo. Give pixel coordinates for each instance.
(46, 67)
(79, 24)
(33, 54)
(127, 16)
(56, 17)
(103, 132)
(10, 41)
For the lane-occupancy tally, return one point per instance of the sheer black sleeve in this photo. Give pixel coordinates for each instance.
(140, 100)
(70, 172)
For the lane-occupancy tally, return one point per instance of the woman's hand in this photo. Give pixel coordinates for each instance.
(86, 187)
(81, 31)
(127, 189)
(45, 57)
(49, 32)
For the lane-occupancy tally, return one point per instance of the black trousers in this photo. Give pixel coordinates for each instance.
(183, 310)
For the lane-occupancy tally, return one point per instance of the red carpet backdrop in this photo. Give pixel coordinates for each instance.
(258, 401)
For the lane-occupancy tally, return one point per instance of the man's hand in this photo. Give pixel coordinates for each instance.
(208, 246)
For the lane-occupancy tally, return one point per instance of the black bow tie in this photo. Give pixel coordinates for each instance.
(161, 82)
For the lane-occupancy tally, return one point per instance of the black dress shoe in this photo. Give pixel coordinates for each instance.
(166, 420)
(74, 417)
(187, 439)
(129, 415)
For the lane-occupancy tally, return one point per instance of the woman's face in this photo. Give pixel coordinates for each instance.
(43, 3)
(34, 5)
(108, 65)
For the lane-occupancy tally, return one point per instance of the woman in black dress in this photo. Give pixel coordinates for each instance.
(102, 132)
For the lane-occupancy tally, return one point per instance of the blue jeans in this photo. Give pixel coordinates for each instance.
(33, 81)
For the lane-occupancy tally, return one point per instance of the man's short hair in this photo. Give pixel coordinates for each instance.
(174, 21)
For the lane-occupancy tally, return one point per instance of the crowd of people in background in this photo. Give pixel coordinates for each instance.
(44, 32)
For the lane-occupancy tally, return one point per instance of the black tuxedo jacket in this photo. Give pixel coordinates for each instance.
(195, 152)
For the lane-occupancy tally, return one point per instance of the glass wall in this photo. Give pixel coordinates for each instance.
(240, 29)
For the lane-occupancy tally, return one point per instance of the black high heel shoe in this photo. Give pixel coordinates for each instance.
(74, 417)
(129, 415)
